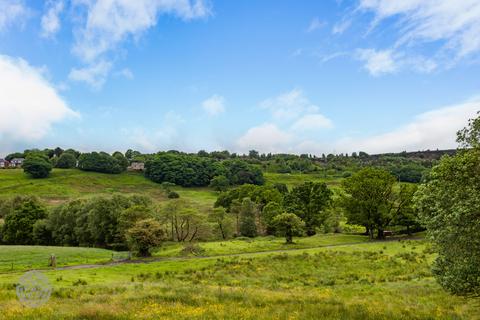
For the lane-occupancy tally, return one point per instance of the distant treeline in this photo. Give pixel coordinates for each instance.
(222, 168)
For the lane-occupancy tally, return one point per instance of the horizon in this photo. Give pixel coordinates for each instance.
(317, 78)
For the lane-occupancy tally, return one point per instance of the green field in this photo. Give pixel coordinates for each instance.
(389, 280)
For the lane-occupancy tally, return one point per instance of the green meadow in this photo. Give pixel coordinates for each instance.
(371, 280)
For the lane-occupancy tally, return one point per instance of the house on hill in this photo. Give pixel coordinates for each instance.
(16, 162)
(4, 164)
(136, 166)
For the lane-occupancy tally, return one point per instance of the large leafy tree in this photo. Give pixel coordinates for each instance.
(449, 204)
(309, 201)
(145, 235)
(288, 225)
(19, 221)
(37, 166)
(67, 160)
(406, 214)
(369, 199)
(248, 226)
(100, 162)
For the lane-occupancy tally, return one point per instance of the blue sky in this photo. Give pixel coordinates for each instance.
(275, 76)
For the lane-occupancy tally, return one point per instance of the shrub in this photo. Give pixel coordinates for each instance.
(173, 195)
(37, 167)
(66, 161)
(99, 162)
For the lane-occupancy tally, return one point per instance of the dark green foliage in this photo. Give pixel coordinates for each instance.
(182, 170)
(41, 233)
(269, 212)
(145, 235)
(14, 155)
(239, 172)
(408, 173)
(100, 162)
(121, 160)
(406, 214)
(288, 225)
(219, 183)
(248, 227)
(173, 195)
(309, 201)
(261, 195)
(223, 223)
(37, 166)
(66, 161)
(19, 221)
(100, 222)
(369, 199)
(197, 171)
(449, 205)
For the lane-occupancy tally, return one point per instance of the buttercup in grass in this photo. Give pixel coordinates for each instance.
(33, 289)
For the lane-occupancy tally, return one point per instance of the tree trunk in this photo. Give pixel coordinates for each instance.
(380, 234)
(288, 237)
(370, 233)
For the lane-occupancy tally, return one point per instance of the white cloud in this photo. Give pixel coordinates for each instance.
(294, 120)
(109, 22)
(315, 24)
(455, 24)
(312, 122)
(95, 75)
(342, 26)
(126, 73)
(266, 138)
(50, 20)
(167, 136)
(214, 105)
(29, 104)
(378, 62)
(289, 105)
(12, 12)
(429, 130)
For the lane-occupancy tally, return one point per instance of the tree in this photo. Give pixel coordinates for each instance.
(99, 162)
(248, 227)
(183, 222)
(66, 161)
(58, 151)
(145, 235)
(37, 166)
(219, 183)
(222, 221)
(269, 212)
(406, 214)
(121, 160)
(19, 222)
(449, 203)
(369, 200)
(309, 201)
(288, 225)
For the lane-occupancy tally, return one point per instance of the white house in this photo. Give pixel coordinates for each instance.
(4, 163)
(16, 162)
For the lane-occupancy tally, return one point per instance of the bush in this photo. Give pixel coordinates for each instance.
(37, 167)
(66, 161)
(145, 235)
(100, 162)
(173, 195)
(219, 183)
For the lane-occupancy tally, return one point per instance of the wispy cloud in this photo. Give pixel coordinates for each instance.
(341, 26)
(13, 12)
(316, 24)
(50, 21)
(94, 75)
(108, 23)
(214, 105)
(293, 120)
(452, 25)
(429, 130)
